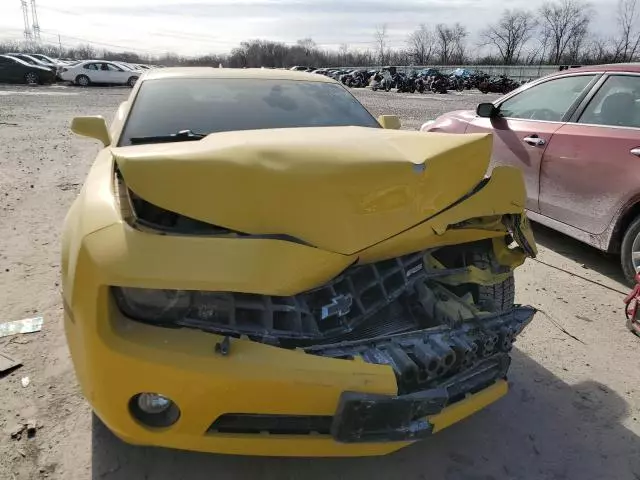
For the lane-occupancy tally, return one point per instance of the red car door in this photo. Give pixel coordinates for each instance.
(591, 168)
(526, 123)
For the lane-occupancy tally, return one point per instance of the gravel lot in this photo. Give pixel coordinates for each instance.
(573, 411)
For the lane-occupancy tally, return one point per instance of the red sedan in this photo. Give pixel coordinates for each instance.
(576, 137)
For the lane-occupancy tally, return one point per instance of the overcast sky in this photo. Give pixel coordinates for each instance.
(194, 27)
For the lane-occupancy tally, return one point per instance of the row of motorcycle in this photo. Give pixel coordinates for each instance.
(427, 80)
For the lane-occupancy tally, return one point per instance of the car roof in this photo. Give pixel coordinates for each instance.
(257, 73)
(613, 67)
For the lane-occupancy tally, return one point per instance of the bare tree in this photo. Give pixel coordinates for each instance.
(380, 37)
(509, 35)
(459, 43)
(576, 44)
(562, 22)
(450, 40)
(598, 50)
(308, 45)
(421, 45)
(629, 40)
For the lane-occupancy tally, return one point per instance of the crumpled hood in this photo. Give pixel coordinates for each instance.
(341, 189)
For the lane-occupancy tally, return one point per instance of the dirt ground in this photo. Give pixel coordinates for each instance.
(573, 411)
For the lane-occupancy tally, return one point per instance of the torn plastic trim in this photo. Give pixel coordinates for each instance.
(362, 417)
(425, 358)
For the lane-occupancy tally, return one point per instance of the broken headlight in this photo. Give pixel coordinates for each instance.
(153, 305)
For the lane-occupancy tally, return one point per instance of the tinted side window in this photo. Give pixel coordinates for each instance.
(617, 103)
(546, 101)
(113, 68)
(91, 66)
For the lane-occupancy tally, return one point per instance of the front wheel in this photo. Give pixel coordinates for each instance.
(630, 252)
(132, 81)
(83, 80)
(499, 297)
(31, 78)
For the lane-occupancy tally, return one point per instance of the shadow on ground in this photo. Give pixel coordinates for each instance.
(592, 258)
(543, 429)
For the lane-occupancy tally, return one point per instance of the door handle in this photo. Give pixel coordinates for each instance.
(635, 151)
(534, 140)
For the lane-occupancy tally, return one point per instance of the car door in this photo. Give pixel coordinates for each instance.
(526, 122)
(13, 70)
(6, 70)
(591, 168)
(116, 74)
(94, 71)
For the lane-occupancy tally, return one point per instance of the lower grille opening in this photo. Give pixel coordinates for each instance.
(272, 424)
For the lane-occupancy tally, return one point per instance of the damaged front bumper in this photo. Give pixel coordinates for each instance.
(474, 355)
(362, 417)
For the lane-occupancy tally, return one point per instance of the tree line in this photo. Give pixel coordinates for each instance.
(559, 32)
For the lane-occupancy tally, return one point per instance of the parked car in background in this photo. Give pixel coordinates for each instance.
(130, 67)
(15, 70)
(575, 135)
(99, 72)
(53, 61)
(34, 61)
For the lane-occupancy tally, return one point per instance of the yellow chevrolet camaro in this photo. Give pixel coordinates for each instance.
(255, 265)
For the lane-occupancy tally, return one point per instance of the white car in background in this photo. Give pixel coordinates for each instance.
(99, 71)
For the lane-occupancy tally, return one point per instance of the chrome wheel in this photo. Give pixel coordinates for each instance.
(82, 80)
(31, 78)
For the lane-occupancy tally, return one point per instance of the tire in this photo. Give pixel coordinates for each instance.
(630, 242)
(496, 298)
(83, 81)
(132, 81)
(31, 78)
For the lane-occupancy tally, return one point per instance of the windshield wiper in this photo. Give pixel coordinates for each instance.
(181, 136)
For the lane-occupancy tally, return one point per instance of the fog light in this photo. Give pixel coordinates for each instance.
(154, 410)
(153, 402)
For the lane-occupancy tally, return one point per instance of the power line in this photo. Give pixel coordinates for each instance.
(102, 44)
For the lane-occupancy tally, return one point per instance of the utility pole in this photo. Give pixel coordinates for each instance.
(28, 37)
(36, 25)
(60, 44)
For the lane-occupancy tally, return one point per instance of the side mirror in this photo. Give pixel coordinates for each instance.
(487, 110)
(389, 122)
(93, 127)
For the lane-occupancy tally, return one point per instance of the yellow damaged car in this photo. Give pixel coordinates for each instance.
(255, 265)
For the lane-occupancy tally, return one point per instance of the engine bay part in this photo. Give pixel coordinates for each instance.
(366, 301)
(423, 359)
